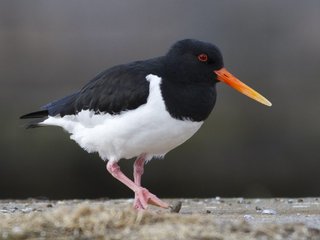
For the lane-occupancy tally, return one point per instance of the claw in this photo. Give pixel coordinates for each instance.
(143, 197)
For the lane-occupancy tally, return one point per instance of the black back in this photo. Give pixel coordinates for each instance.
(114, 90)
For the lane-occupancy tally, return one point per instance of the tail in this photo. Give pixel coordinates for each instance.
(60, 107)
(38, 117)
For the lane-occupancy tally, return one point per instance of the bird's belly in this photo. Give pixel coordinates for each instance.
(129, 134)
(155, 138)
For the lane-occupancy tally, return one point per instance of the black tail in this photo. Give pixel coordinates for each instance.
(35, 123)
(38, 114)
(59, 107)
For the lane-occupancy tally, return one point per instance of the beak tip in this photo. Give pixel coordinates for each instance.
(267, 103)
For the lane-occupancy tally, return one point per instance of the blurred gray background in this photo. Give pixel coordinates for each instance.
(49, 49)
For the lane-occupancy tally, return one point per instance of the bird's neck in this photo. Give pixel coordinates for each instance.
(188, 100)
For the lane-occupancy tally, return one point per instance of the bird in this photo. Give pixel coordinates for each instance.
(143, 109)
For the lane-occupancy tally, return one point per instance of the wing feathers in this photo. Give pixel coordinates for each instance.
(114, 90)
(37, 114)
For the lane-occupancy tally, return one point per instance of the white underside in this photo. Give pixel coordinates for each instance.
(148, 129)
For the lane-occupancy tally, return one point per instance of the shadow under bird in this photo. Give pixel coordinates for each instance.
(143, 109)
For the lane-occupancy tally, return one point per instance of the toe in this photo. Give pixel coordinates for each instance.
(154, 200)
(143, 197)
(140, 194)
(137, 204)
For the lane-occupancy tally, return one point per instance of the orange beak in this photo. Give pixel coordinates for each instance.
(228, 78)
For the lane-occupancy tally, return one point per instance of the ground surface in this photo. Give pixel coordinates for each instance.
(215, 218)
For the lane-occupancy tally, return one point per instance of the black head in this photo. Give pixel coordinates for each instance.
(193, 60)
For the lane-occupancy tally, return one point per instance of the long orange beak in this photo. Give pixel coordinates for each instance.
(228, 78)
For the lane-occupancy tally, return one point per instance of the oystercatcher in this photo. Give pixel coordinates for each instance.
(143, 109)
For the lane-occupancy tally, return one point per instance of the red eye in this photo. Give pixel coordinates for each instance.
(203, 57)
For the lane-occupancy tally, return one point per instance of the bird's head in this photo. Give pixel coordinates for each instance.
(202, 62)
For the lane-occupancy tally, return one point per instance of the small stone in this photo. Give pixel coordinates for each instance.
(176, 207)
(258, 208)
(14, 209)
(269, 212)
(27, 210)
(248, 217)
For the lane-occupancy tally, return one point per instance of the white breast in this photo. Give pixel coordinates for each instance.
(148, 129)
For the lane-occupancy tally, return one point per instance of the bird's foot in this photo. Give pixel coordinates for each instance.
(143, 197)
(137, 204)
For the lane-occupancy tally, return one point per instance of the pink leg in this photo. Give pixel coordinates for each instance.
(143, 195)
(138, 169)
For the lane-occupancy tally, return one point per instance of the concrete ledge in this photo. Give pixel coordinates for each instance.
(216, 218)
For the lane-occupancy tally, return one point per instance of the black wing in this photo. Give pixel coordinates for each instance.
(112, 91)
(117, 89)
